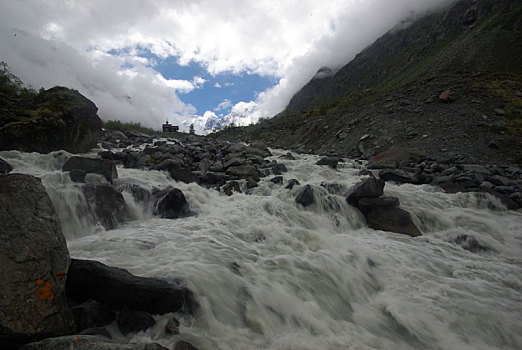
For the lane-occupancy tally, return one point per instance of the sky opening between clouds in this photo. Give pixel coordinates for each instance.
(188, 61)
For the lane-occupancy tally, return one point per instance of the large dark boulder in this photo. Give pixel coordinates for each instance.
(103, 167)
(393, 219)
(330, 161)
(87, 342)
(106, 203)
(396, 157)
(131, 321)
(171, 204)
(117, 288)
(370, 187)
(183, 175)
(305, 196)
(397, 175)
(33, 264)
(243, 172)
(5, 167)
(92, 314)
(59, 118)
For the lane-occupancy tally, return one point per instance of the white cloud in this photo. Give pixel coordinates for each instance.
(66, 43)
(226, 104)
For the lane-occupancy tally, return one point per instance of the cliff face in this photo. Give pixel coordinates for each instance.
(389, 94)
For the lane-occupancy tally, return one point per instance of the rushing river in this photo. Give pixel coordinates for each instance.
(270, 274)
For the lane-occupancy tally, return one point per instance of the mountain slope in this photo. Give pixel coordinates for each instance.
(389, 94)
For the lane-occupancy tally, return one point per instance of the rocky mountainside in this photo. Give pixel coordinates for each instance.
(449, 84)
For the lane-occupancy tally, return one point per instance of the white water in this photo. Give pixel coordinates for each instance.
(269, 274)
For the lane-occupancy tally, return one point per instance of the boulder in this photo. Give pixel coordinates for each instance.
(330, 161)
(77, 175)
(397, 175)
(278, 180)
(117, 288)
(106, 203)
(305, 196)
(243, 172)
(183, 175)
(87, 342)
(59, 118)
(392, 219)
(105, 167)
(172, 326)
(287, 156)
(370, 187)
(212, 179)
(171, 204)
(258, 148)
(368, 203)
(92, 314)
(5, 167)
(230, 187)
(291, 183)
(278, 169)
(396, 157)
(170, 164)
(34, 260)
(130, 321)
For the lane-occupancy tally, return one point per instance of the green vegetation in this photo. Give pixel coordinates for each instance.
(11, 85)
(116, 125)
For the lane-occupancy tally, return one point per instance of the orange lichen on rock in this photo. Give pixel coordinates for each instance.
(61, 275)
(46, 291)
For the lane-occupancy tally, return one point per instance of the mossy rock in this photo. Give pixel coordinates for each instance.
(58, 118)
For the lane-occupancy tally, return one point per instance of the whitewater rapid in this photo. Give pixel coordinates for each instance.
(270, 274)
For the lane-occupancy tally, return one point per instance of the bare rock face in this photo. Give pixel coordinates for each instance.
(34, 260)
(59, 118)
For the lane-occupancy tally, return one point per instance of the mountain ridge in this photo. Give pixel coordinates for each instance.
(389, 93)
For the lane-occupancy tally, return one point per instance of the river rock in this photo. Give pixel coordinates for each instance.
(172, 326)
(370, 187)
(117, 288)
(87, 342)
(278, 168)
(397, 175)
(231, 187)
(330, 161)
(368, 203)
(59, 118)
(34, 260)
(396, 157)
(287, 156)
(278, 180)
(106, 203)
(392, 219)
(131, 321)
(5, 167)
(243, 172)
(259, 148)
(183, 175)
(77, 175)
(171, 204)
(305, 196)
(92, 314)
(170, 164)
(291, 183)
(103, 167)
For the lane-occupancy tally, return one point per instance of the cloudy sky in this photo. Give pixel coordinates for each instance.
(151, 60)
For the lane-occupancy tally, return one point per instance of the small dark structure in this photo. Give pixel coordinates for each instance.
(170, 128)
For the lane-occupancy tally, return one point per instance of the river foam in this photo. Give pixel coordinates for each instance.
(270, 274)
